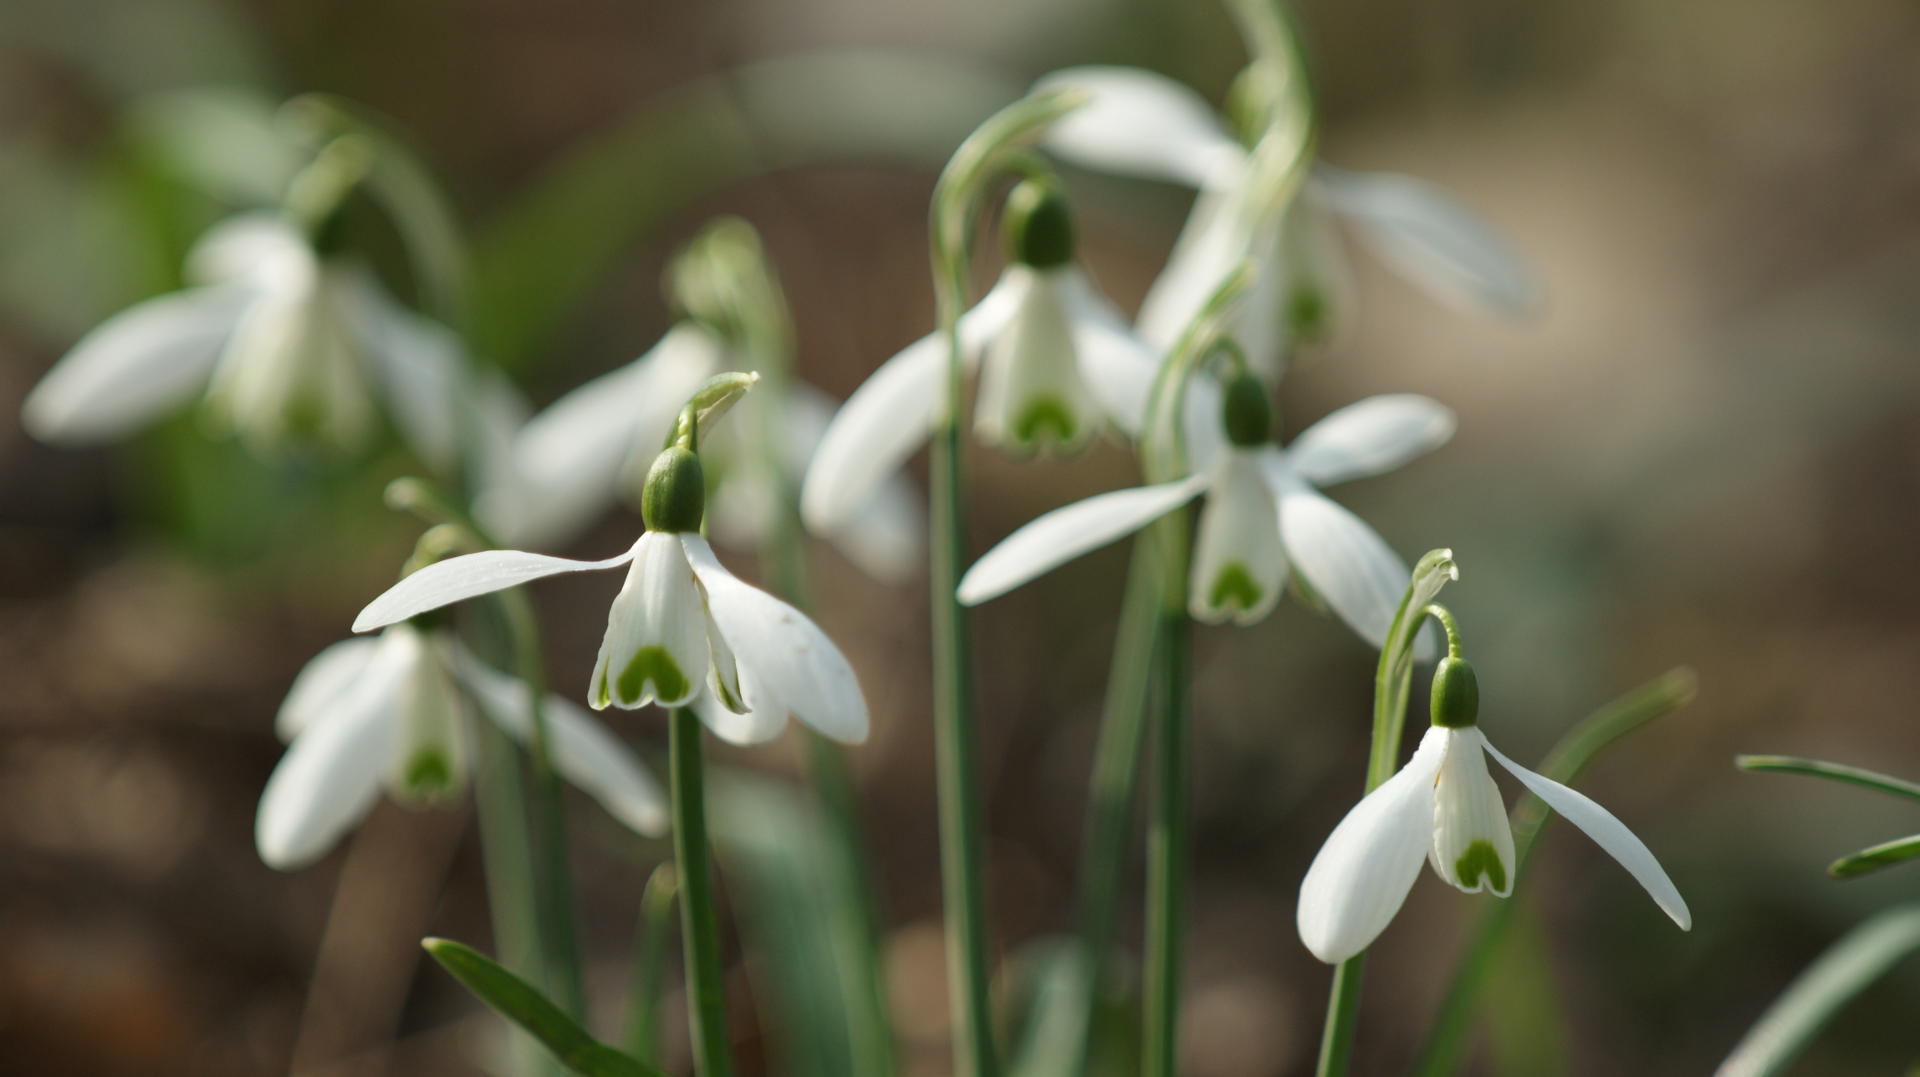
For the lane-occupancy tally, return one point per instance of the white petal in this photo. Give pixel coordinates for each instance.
(1239, 568)
(246, 247)
(322, 683)
(1371, 436)
(1118, 367)
(331, 773)
(1214, 240)
(1031, 394)
(457, 578)
(781, 651)
(1431, 239)
(570, 459)
(1342, 559)
(1472, 840)
(655, 649)
(136, 365)
(584, 751)
(892, 412)
(1361, 876)
(422, 371)
(1140, 123)
(429, 763)
(765, 721)
(1051, 540)
(1609, 833)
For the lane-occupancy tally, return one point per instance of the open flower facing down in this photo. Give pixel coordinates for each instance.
(392, 710)
(682, 632)
(1442, 807)
(1056, 361)
(285, 345)
(1263, 518)
(1140, 123)
(586, 450)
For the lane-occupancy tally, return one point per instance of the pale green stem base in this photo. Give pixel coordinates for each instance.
(699, 928)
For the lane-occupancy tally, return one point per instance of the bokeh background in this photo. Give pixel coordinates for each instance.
(1706, 451)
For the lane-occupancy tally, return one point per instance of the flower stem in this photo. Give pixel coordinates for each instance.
(649, 962)
(870, 1031)
(1167, 837)
(699, 931)
(1110, 796)
(506, 854)
(960, 844)
(554, 909)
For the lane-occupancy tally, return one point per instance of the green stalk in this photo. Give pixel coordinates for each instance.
(560, 947)
(1447, 1039)
(956, 199)
(1392, 684)
(1168, 838)
(699, 930)
(650, 962)
(551, 908)
(506, 857)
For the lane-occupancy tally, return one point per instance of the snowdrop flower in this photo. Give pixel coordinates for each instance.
(392, 710)
(1056, 363)
(1143, 124)
(1264, 518)
(578, 457)
(283, 343)
(683, 631)
(1443, 807)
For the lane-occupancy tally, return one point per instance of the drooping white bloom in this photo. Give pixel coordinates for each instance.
(1056, 362)
(592, 447)
(1140, 123)
(1264, 516)
(392, 711)
(283, 343)
(683, 631)
(1442, 807)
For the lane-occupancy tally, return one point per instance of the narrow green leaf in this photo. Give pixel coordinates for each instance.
(1839, 772)
(1861, 956)
(1875, 857)
(520, 1002)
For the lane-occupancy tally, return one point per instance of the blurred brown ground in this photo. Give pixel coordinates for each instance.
(1706, 452)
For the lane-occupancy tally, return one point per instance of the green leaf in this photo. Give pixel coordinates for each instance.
(796, 912)
(1873, 858)
(520, 1002)
(1861, 956)
(1839, 772)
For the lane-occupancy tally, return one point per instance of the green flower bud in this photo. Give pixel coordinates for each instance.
(675, 495)
(1038, 226)
(1246, 413)
(1455, 703)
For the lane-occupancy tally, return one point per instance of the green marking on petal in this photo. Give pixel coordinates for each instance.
(1307, 312)
(428, 775)
(1045, 417)
(1233, 586)
(1478, 860)
(650, 664)
(597, 693)
(727, 698)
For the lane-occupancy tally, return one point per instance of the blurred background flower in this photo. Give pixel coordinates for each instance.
(1702, 451)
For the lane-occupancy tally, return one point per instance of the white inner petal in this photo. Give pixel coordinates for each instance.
(1031, 396)
(1472, 841)
(1239, 567)
(655, 649)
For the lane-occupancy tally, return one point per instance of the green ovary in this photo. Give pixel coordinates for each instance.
(650, 664)
(1045, 417)
(1480, 859)
(1233, 586)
